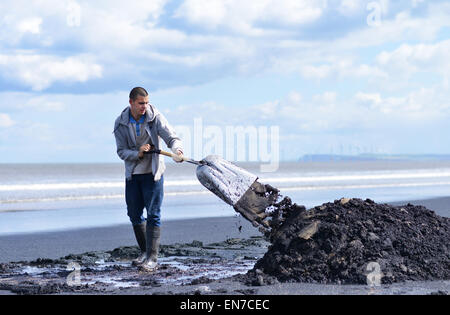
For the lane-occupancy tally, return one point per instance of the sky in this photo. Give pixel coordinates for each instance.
(301, 76)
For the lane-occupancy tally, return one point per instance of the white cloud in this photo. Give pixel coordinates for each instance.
(97, 25)
(344, 68)
(42, 103)
(20, 18)
(330, 112)
(209, 14)
(295, 12)
(350, 7)
(368, 98)
(6, 121)
(327, 97)
(31, 25)
(242, 16)
(41, 71)
(402, 27)
(265, 36)
(416, 3)
(126, 26)
(410, 59)
(321, 113)
(135, 11)
(316, 72)
(267, 110)
(422, 105)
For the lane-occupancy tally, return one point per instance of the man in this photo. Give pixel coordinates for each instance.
(138, 129)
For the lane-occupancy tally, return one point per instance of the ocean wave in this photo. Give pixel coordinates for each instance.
(357, 177)
(92, 197)
(86, 185)
(365, 186)
(417, 174)
(206, 192)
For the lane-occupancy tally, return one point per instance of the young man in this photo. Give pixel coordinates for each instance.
(138, 129)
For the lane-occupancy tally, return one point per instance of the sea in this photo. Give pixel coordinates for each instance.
(57, 197)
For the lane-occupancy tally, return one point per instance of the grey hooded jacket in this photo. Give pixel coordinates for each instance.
(157, 127)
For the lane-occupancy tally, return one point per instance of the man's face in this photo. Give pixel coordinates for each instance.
(139, 105)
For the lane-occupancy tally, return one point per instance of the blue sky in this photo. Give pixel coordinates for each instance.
(346, 77)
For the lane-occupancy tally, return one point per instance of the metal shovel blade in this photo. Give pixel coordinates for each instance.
(240, 189)
(224, 179)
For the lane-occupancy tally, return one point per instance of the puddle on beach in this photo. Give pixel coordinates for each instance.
(172, 270)
(181, 264)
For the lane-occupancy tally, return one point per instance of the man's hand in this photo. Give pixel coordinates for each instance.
(179, 157)
(142, 149)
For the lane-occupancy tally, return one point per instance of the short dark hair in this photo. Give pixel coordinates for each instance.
(137, 91)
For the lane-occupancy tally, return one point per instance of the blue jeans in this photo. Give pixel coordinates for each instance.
(143, 192)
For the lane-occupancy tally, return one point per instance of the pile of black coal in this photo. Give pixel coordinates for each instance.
(347, 241)
(350, 239)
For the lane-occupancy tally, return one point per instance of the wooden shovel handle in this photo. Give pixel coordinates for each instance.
(169, 154)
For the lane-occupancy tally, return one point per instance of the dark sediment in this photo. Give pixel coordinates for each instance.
(104, 272)
(351, 241)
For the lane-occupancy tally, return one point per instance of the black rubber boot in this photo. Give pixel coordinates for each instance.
(140, 233)
(152, 250)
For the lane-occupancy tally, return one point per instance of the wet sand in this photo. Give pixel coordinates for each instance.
(229, 244)
(53, 245)
(439, 205)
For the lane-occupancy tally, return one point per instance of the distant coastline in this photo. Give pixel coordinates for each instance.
(373, 157)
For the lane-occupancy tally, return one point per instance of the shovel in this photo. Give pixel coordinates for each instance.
(240, 189)
(235, 186)
(173, 155)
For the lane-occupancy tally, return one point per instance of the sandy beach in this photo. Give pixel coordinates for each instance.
(230, 237)
(58, 244)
